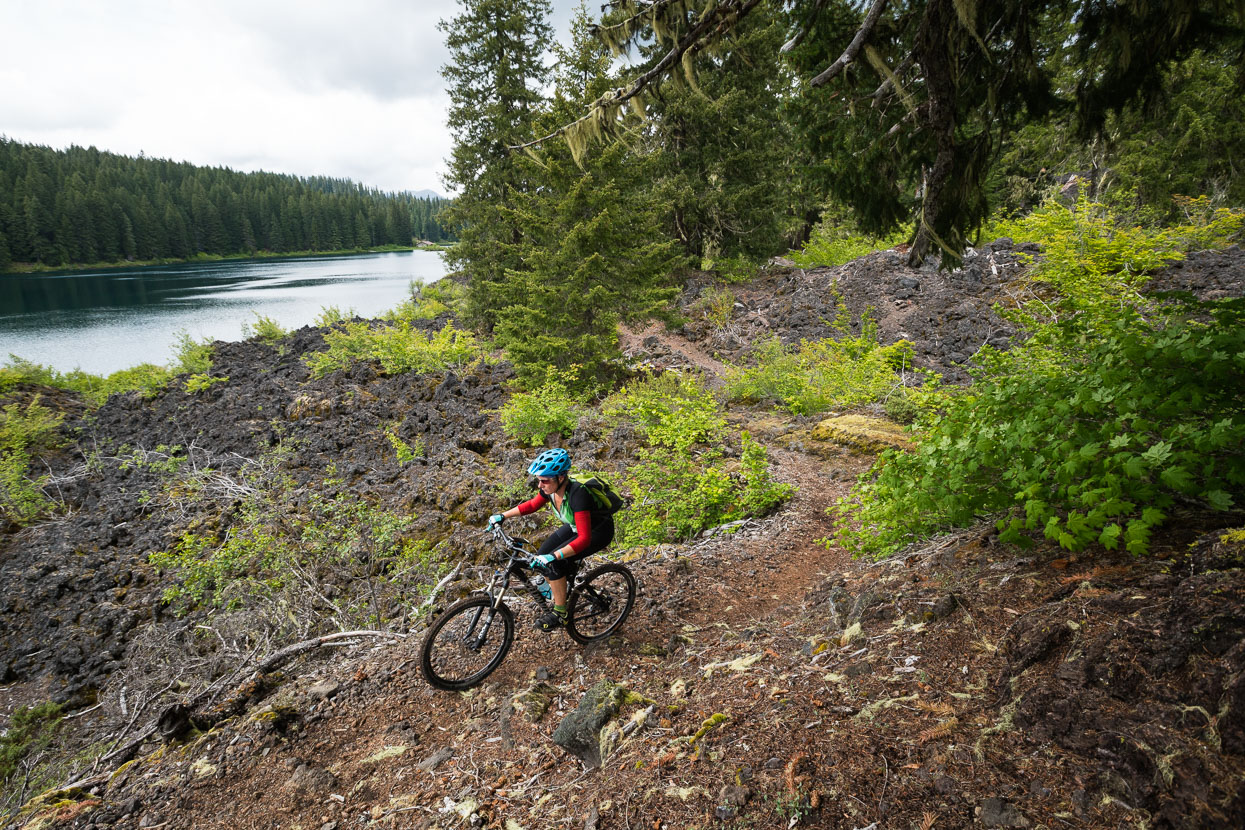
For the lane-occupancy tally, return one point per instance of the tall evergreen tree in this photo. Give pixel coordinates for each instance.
(592, 255)
(921, 94)
(721, 169)
(495, 79)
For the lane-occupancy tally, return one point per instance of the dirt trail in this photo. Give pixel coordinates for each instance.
(780, 683)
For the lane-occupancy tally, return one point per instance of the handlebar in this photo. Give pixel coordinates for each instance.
(517, 546)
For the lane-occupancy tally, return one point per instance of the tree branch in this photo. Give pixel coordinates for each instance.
(853, 48)
(804, 30)
(690, 42)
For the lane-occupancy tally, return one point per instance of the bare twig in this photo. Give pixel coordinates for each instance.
(436, 589)
(804, 30)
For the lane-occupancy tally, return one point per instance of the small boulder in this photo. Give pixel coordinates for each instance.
(324, 690)
(997, 812)
(579, 733)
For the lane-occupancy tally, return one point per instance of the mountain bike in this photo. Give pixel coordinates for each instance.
(471, 638)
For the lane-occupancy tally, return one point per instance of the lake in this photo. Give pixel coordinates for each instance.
(105, 320)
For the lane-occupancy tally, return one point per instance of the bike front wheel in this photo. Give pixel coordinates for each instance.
(466, 643)
(600, 604)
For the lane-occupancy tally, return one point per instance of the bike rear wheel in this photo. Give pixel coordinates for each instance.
(466, 643)
(600, 604)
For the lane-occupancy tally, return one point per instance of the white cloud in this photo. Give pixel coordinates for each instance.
(350, 90)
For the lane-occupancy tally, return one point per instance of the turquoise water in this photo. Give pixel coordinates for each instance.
(102, 321)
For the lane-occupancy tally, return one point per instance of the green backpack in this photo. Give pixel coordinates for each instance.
(607, 501)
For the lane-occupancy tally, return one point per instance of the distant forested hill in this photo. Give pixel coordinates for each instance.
(83, 205)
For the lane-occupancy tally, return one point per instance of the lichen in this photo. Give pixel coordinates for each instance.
(862, 433)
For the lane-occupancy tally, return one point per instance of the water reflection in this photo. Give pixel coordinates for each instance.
(107, 320)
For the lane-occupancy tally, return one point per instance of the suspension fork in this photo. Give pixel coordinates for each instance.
(482, 635)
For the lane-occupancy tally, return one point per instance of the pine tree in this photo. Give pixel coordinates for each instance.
(592, 256)
(910, 101)
(495, 77)
(721, 168)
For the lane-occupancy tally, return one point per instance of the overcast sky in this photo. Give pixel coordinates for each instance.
(345, 89)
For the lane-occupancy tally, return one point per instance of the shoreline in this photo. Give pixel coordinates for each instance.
(27, 268)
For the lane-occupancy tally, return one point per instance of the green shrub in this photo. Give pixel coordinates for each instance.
(531, 417)
(835, 241)
(675, 494)
(1097, 447)
(429, 301)
(761, 493)
(267, 330)
(682, 482)
(146, 378)
(192, 356)
(30, 730)
(24, 432)
(821, 374)
(669, 409)
(331, 315)
(398, 348)
(714, 305)
(909, 404)
(1098, 264)
(197, 383)
(406, 452)
(733, 269)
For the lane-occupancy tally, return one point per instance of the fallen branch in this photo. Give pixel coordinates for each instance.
(178, 718)
(440, 586)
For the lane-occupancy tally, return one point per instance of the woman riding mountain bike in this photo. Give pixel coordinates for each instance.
(586, 527)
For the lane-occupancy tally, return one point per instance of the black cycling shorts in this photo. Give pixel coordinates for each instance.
(602, 535)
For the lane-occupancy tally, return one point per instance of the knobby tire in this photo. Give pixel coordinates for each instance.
(445, 658)
(601, 604)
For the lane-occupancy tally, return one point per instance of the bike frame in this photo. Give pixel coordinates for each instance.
(519, 561)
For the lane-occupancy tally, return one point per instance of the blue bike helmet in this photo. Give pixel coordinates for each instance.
(550, 463)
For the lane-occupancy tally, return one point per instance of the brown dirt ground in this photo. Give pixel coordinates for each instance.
(961, 684)
(855, 695)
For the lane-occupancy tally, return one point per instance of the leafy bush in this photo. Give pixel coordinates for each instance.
(714, 305)
(330, 315)
(835, 241)
(530, 417)
(24, 432)
(30, 730)
(1099, 264)
(682, 482)
(821, 374)
(265, 329)
(675, 494)
(761, 493)
(145, 378)
(732, 269)
(197, 383)
(429, 301)
(311, 560)
(406, 453)
(398, 348)
(1099, 450)
(669, 409)
(1116, 409)
(192, 355)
